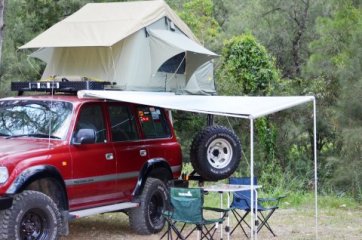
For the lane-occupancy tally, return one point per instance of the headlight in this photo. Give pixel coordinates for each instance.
(4, 174)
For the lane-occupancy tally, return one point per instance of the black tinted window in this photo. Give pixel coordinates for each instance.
(153, 122)
(122, 124)
(91, 117)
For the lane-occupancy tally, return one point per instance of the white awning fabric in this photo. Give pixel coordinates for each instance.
(235, 106)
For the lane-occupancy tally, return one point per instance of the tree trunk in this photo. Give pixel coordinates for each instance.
(296, 42)
(2, 25)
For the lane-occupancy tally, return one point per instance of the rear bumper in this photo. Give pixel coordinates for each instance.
(6, 202)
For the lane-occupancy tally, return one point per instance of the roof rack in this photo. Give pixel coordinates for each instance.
(57, 86)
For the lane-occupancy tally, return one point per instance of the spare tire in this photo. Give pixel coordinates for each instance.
(215, 153)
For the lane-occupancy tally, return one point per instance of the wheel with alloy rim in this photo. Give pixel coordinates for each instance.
(148, 218)
(215, 153)
(33, 216)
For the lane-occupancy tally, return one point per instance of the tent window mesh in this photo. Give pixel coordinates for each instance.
(176, 64)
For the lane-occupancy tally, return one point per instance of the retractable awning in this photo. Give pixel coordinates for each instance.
(235, 106)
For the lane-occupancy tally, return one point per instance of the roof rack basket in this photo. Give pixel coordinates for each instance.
(57, 86)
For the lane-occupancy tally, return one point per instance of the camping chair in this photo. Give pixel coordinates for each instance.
(242, 201)
(187, 208)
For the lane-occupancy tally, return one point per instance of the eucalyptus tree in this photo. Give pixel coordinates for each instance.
(337, 60)
(284, 27)
(2, 8)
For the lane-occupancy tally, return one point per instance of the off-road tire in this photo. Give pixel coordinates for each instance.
(32, 214)
(215, 153)
(147, 218)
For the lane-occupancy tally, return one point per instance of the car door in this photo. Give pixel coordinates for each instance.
(158, 135)
(94, 165)
(131, 151)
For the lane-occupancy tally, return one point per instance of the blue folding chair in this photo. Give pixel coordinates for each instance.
(242, 201)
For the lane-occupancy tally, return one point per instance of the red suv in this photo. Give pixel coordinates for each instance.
(62, 157)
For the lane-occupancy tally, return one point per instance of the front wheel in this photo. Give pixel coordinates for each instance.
(33, 216)
(147, 218)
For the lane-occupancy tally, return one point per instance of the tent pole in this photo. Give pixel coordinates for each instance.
(113, 64)
(315, 166)
(252, 216)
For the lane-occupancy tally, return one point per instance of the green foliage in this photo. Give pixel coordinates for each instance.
(326, 202)
(247, 68)
(285, 27)
(337, 58)
(198, 15)
(295, 130)
(25, 19)
(267, 134)
(186, 126)
(331, 51)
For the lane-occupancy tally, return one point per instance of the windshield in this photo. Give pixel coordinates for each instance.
(35, 118)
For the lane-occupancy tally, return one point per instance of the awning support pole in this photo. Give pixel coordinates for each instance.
(252, 216)
(315, 166)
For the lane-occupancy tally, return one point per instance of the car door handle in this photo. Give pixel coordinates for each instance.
(109, 156)
(143, 152)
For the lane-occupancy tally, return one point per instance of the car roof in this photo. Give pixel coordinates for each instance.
(59, 97)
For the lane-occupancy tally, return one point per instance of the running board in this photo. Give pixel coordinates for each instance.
(103, 209)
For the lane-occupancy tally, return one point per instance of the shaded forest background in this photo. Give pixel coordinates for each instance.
(280, 47)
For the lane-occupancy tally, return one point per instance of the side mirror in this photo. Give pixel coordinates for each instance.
(84, 136)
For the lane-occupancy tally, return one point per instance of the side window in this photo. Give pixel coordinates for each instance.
(91, 117)
(153, 122)
(122, 123)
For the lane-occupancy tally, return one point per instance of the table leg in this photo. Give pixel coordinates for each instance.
(221, 225)
(256, 212)
(228, 216)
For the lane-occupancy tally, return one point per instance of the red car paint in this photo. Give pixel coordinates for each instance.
(94, 174)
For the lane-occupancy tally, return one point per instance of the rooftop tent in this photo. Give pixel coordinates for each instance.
(137, 45)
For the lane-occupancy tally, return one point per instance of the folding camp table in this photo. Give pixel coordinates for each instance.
(229, 188)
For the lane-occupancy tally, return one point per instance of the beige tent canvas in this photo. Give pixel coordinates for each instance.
(142, 46)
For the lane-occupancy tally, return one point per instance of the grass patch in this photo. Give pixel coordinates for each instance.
(294, 199)
(302, 200)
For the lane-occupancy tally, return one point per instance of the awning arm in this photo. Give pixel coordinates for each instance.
(315, 165)
(253, 213)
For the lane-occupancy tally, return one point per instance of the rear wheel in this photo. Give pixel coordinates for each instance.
(33, 216)
(147, 218)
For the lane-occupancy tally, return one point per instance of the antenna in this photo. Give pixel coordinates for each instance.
(50, 110)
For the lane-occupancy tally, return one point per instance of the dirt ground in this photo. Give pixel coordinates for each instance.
(286, 223)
